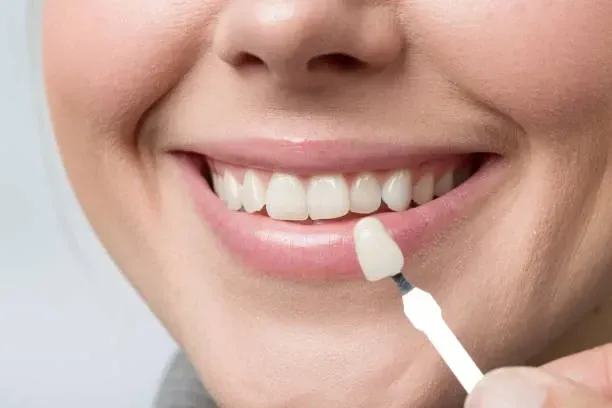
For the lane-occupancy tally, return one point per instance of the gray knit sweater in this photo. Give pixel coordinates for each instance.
(181, 387)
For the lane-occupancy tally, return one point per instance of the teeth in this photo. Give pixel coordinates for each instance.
(253, 193)
(218, 186)
(286, 198)
(444, 184)
(423, 191)
(377, 253)
(365, 194)
(231, 188)
(396, 191)
(327, 197)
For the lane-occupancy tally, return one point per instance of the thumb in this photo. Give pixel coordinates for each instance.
(532, 388)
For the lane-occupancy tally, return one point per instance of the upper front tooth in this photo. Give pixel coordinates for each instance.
(327, 197)
(444, 184)
(231, 189)
(286, 198)
(365, 194)
(423, 191)
(253, 192)
(396, 191)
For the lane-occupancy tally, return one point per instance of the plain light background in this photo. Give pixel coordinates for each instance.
(73, 333)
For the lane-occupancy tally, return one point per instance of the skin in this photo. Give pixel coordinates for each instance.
(126, 80)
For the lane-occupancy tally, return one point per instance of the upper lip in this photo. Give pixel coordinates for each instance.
(312, 149)
(318, 156)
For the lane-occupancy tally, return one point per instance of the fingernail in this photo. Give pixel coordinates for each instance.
(508, 388)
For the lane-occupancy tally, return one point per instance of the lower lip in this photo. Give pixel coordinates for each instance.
(293, 251)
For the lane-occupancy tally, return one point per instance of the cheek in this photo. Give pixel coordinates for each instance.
(109, 61)
(537, 61)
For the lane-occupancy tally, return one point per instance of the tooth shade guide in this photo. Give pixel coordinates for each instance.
(402, 283)
(378, 254)
(380, 257)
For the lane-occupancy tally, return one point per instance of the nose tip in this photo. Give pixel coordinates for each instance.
(292, 38)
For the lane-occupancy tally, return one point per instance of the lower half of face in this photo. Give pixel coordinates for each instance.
(224, 150)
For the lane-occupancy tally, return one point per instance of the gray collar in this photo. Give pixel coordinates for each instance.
(181, 387)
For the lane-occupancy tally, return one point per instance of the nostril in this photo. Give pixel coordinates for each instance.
(336, 62)
(245, 59)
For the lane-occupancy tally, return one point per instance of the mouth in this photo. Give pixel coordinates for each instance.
(288, 209)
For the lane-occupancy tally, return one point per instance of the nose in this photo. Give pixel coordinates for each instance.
(294, 39)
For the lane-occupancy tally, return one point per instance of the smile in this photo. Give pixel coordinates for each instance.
(288, 211)
(289, 197)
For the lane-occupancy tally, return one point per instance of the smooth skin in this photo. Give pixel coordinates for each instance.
(522, 268)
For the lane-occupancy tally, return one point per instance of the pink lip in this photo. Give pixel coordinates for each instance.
(325, 251)
(319, 156)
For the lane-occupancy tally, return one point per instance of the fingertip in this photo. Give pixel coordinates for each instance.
(510, 388)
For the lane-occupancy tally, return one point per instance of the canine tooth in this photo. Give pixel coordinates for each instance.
(365, 194)
(377, 253)
(231, 188)
(286, 198)
(396, 191)
(423, 190)
(444, 184)
(218, 186)
(327, 197)
(253, 192)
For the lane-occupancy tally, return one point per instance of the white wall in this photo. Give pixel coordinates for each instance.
(72, 332)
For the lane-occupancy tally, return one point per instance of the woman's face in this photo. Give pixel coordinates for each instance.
(305, 113)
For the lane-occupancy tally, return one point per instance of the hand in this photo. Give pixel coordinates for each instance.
(582, 380)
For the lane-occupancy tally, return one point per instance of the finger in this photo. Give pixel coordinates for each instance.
(532, 388)
(592, 368)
